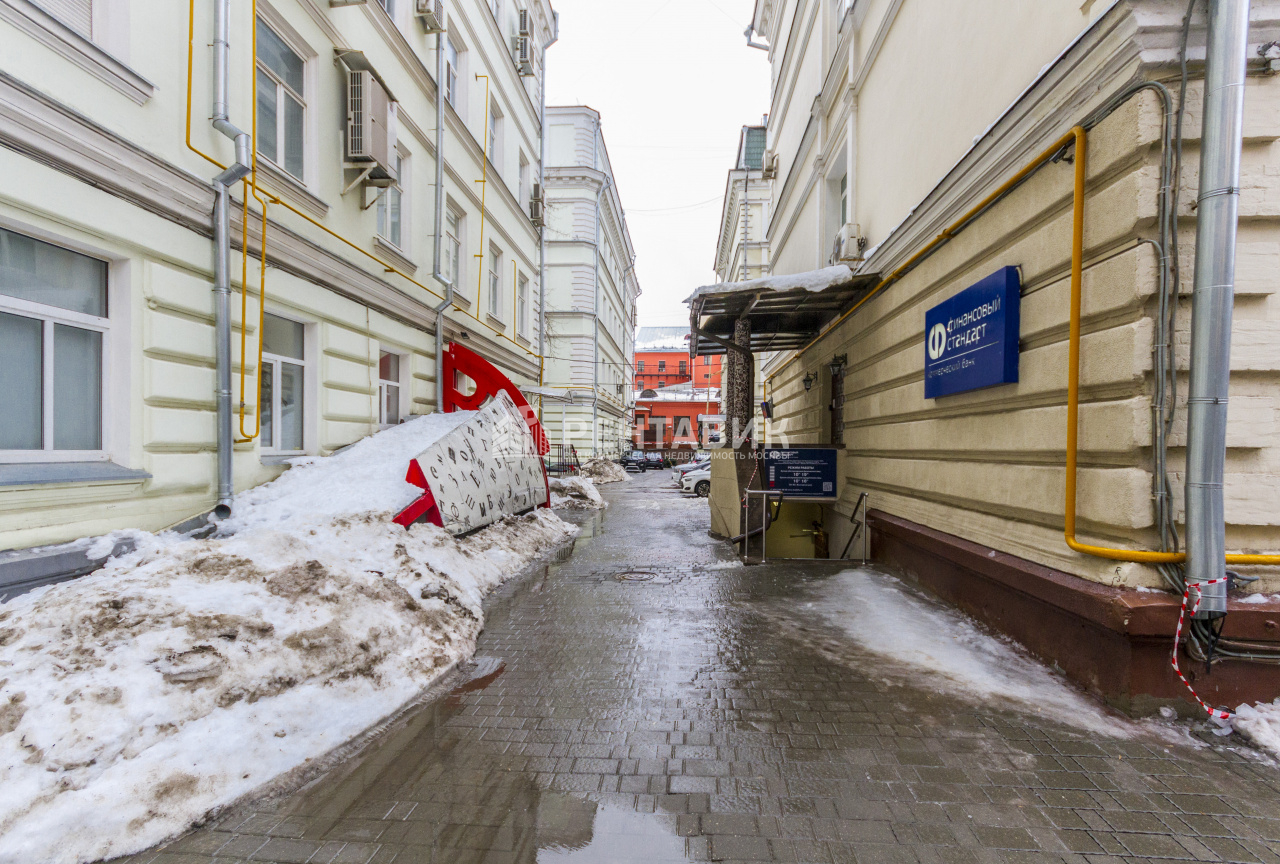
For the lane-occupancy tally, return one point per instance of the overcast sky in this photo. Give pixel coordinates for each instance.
(674, 82)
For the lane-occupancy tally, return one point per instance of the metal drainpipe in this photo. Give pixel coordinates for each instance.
(595, 310)
(1213, 297)
(437, 273)
(222, 251)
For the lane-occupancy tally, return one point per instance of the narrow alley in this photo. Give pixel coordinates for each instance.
(645, 697)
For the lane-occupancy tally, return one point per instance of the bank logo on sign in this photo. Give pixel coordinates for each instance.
(973, 337)
(937, 341)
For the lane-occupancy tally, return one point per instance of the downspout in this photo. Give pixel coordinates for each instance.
(595, 310)
(222, 250)
(1213, 298)
(442, 307)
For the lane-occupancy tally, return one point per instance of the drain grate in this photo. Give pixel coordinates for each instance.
(636, 576)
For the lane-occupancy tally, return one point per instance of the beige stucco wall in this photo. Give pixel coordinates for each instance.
(989, 465)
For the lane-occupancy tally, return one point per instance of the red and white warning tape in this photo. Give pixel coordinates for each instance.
(1177, 640)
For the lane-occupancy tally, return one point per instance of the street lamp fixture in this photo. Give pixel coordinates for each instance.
(838, 363)
(809, 378)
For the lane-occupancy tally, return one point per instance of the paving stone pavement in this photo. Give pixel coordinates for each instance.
(637, 702)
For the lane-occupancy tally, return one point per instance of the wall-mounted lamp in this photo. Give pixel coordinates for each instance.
(809, 378)
(838, 363)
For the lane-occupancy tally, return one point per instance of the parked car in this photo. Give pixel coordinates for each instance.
(698, 482)
(654, 459)
(639, 460)
(677, 474)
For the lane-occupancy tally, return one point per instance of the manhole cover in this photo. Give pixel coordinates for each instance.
(636, 576)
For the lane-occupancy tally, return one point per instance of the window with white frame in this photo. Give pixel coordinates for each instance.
(522, 305)
(495, 282)
(496, 7)
(389, 388)
(495, 134)
(451, 74)
(283, 385)
(844, 200)
(53, 326)
(390, 6)
(451, 267)
(392, 207)
(525, 191)
(282, 105)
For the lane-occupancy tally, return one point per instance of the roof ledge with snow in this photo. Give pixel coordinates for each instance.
(785, 311)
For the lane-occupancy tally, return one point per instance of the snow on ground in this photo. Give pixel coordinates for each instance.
(922, 637)
(188, 673)
(575, 493)
(604, 471)
(1260, 725)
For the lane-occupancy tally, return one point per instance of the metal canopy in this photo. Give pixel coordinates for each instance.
(780, 320)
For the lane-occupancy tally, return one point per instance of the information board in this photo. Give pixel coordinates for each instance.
(806, 472)
(972, 339)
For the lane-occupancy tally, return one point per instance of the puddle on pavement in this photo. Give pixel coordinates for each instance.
(612, 834)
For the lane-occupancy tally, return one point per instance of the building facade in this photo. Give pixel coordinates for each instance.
(874, 157)
(591, 289)
(105, 237)
(742, 250)
(662, 359)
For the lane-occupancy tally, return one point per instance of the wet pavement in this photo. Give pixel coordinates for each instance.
(644, 699)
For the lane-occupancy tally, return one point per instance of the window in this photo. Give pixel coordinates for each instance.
(283, 375)
(684, 367)
(640, 366)
(525, 192)
(281, 107)
(451, 73)
(662, 383)
(76, 14)
(389, 5)
(495, 282)
(496, 7)
(662, 365)
(522, 305)
(53, 322)
(391, 208)
(495, 134)
(388, 389)
(844, 200)
(451, 267)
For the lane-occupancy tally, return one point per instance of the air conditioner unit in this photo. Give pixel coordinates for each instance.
(536, 194)
(770, 166)
(536, 215)
(431, 12)
(520, 52)
(848, 245)
(525, 23)
(370, 128)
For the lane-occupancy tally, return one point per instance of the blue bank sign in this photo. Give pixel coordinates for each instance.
(971, 340)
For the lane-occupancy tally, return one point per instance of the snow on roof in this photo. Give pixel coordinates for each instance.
(681, 393)
(662, 339)
(812, 280)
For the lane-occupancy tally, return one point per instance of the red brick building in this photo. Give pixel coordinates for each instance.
(662, 360)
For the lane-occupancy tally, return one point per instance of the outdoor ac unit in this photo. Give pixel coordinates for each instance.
(370, 139)
(520, 53)
(848, 245)
(536, 213)
(524, 23)
(770, 166)
(432, 14)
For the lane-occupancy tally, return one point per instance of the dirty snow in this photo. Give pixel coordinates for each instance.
(603, 471)
(918, 636)
(188, 673)
(575, 493)
(1260, 725)
(1260, 598)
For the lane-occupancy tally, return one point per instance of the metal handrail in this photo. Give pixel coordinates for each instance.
(860, 527)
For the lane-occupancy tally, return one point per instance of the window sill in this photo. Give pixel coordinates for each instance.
(495, 321)
(280, 458)
(47, 473)
(288, 187)
(70, 45)
(397, 256)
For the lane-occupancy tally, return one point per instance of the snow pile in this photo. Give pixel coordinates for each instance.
(1260, 724)
(188, 673)
(920, 636)
(603, 471)
(1260, 598)
(575, 493)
